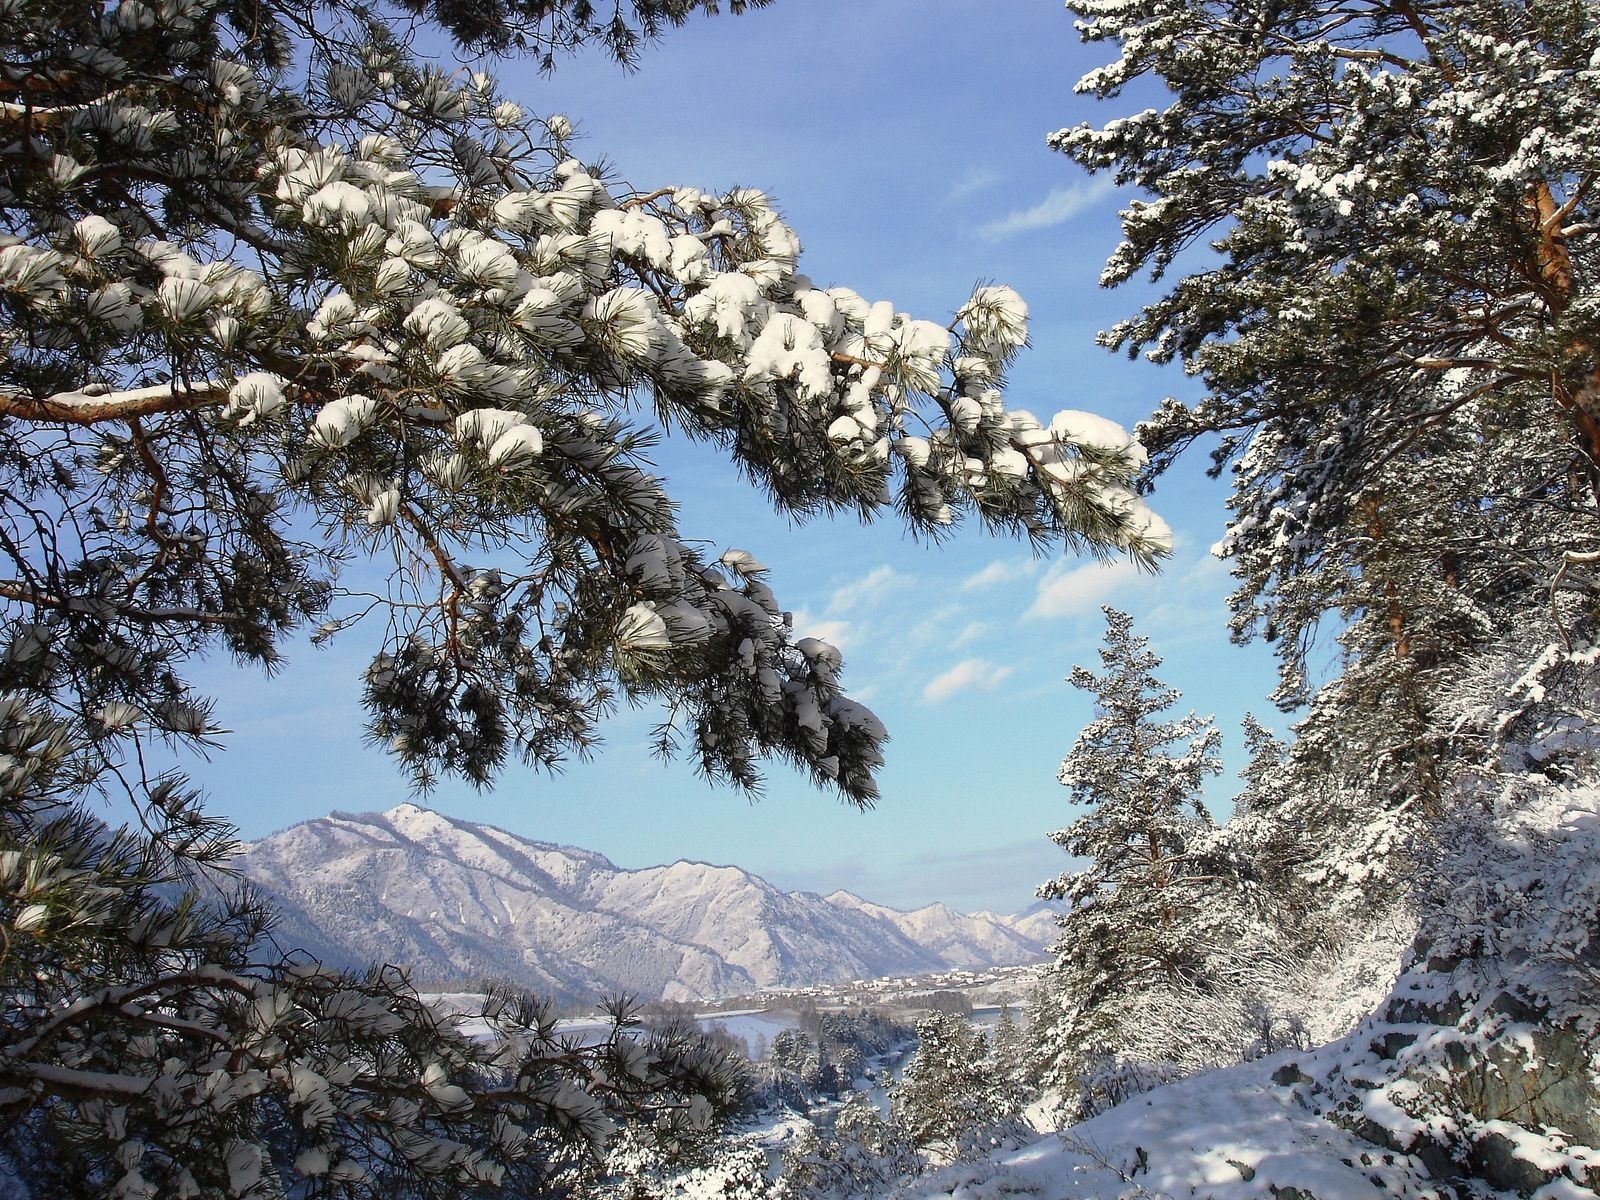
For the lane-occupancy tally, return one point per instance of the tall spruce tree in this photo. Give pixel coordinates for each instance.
(863, 1155)
(280, 295)
(1144, 908)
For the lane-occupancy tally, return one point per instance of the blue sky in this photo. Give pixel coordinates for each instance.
(905, 142)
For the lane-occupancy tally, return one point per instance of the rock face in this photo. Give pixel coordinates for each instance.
(1514, 1083)
(453, 899)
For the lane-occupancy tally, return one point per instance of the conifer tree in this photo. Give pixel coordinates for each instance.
(1010, 1058)
(1265, 753)
(1398, 367)
(863, 1155)
(944, 1100)
(279, 295)
(1145, 907)
(1011, 1069)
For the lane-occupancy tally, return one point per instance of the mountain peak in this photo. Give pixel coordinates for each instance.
(409, 815)
(407, 809)
(452, 898)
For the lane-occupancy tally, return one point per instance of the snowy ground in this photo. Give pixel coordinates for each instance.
(755, 1027)
(1225, 1135)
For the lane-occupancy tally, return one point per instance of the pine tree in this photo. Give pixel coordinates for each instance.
(280, 296)
(930, 1099)
(1395, 363)
(1011, 1067)
(1009, 1056)
(1396, 339)
(1265, 754)
(951, 1100)
(1145, 907)
(862, 1155)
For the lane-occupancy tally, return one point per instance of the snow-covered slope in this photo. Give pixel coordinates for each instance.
(454, 899)
(981, 940)
(1036, 923)
(1223, 1135)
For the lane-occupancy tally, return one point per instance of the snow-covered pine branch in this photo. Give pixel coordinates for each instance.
(389, 295)
(277, 294)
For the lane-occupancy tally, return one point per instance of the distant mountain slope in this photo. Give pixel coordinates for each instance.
(451, 898)
(980, 940)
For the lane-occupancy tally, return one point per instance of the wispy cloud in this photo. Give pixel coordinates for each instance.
(840, 634)
(1059, 207)
(869, 589)
(1193, 603)
(936, 629)
(1000, 571)
(971, 632)
(973, 181)
(970, 674)
(1072, 591)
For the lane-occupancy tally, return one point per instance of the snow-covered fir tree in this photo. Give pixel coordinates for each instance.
(645, 1162)
(1146, 910)
(863, 1154)
(1011, 1057)
(277, 295)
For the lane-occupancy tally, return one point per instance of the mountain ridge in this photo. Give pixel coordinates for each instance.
(450, 898)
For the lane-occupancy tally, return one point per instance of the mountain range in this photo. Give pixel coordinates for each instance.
(453, 900)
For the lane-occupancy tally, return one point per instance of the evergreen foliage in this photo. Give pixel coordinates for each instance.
(1144, 911)
(863, 1155)
(647, 1163)
(279, 298)
(1396, 339)
(952, 1099)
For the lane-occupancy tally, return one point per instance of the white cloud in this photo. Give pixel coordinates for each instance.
(1059, 207)
(970, 633)
(837, 633)
(1071, 591)
(934, 629)
(971, 674)
(870, 588)
(1194, 601)
(998, 572)
(973, 181)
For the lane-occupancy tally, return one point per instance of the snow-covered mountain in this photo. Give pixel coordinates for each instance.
(981, 940)
(453, 899)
